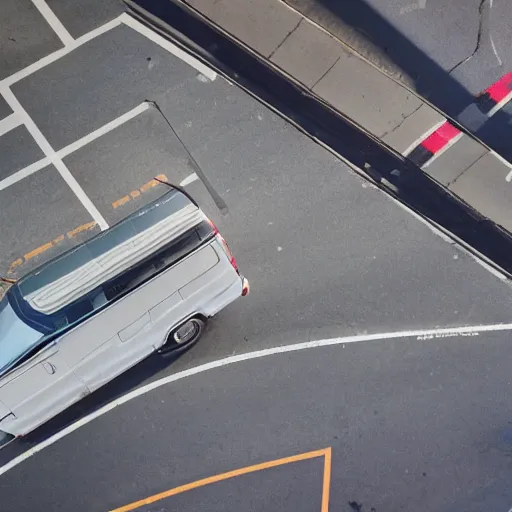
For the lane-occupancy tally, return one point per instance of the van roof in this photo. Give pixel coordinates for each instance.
(83, 268)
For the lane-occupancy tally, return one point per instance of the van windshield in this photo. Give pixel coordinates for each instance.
(16, 337)
(98, 272)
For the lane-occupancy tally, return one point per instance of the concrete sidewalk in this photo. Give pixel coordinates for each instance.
(325, 66)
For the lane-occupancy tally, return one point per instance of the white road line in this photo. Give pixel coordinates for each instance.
(45, 61)
(49, 152)
(500, 105)
(444, 149)
(103, 130)
(425, 334)
(23, 173)
(189, 179)
(98, 31)
(54, 22)
(9, 123)
(167, 45)
(423, 137)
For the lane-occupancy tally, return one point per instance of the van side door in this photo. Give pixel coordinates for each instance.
(39, 389)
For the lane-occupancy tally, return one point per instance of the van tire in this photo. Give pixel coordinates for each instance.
(184, 336)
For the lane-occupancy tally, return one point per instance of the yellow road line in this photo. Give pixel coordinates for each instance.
(79, 229)
(38, 251)
(84, 227)
(136, 193)
(326, 453)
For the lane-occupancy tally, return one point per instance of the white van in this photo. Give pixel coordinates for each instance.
(146, 284)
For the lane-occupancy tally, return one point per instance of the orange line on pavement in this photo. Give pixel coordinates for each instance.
(136, 193)
(15, 264)
(120, 202)
(82, 228)
(327, 480)
(326, 453)
(38, 251)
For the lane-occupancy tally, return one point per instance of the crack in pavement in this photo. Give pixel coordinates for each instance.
(483, 35)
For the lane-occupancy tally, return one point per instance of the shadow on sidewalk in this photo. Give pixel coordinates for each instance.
(430, 80)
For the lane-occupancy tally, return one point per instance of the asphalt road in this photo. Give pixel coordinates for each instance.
(408, 421)
(327, 255)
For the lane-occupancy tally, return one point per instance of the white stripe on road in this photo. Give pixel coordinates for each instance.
(103, 130)
(425, 334)
(9, 123)
(40, 164)
(27, 171)
(189, 179)
(167, 45)
(54, 22)
(49, 152)
(45, 61)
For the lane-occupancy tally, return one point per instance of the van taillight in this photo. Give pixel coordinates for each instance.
(229, 254)
(220, 238)
(214, 227)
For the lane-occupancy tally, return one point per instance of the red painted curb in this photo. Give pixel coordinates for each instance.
(440, 138)
(501, 89)
(436, 141)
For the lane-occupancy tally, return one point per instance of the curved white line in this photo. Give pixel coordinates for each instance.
(426, 334)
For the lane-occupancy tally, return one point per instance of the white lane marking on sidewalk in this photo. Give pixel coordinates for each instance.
(423, 137)
(9, 123)
(189, 179)
(23, 173)
(103, 130)
(500, 105)
(49, 152)
(45, 61)
(167, 45)
(54, 22)
(421, 334)
(444, 149)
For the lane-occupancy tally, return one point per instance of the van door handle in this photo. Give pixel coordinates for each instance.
(49, 367)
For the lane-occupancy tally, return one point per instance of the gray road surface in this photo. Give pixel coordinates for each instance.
(408, 422)
(327, 255)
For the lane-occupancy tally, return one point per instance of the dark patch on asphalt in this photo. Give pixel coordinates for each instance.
(410, 185)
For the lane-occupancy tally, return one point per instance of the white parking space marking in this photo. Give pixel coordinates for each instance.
(45, 61)
(9, 123)
(52, 155)
(167, 45)
(189, 179)
(54, 22)
(103, 130)
(27, 171)
(422, 334)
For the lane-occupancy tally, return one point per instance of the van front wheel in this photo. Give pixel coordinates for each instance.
(183, 336)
